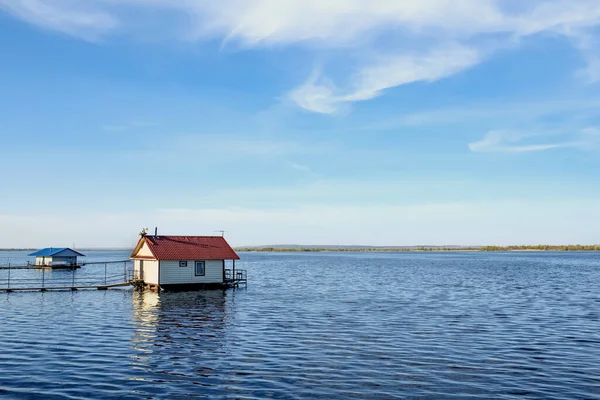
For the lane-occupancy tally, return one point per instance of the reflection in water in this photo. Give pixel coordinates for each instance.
(179, 337)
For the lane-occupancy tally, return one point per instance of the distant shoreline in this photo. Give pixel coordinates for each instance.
(78, 249)
(300, 249)
(384, 249)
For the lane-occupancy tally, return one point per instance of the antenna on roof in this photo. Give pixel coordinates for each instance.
(222, 233)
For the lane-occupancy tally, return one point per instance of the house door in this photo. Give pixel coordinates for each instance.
(141, 277)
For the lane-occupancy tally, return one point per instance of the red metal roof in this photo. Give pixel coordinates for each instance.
(189, 248)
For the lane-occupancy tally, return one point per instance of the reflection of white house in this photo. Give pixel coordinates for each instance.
(182, 262)
(53, 256)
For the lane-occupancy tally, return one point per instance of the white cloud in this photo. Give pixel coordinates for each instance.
(412, 31)
(300, 167)
(559, 16)
(591, 133)
(385, 73)
(190, 145)
(591, 73)
(333, 22)
(516, 142)
(80, 19)
(495, 113)
(589, 47)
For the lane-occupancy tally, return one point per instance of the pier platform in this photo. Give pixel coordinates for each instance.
(73, 288)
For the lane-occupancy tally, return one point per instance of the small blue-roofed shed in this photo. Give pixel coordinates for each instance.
(56, 256)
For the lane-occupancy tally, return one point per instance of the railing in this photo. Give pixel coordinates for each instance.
(13, 278)
(73, 282)
(240, 275)
(136, 275)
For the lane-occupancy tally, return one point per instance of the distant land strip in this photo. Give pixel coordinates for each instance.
(572, 247)
(381, 249)
(78, 249)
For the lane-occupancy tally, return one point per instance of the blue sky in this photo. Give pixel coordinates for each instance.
(341, 122)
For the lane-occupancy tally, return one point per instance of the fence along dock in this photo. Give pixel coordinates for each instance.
(74, 282)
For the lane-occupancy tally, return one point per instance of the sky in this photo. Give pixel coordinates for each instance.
(359, 122)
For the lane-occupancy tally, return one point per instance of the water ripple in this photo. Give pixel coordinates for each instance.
(321, 326)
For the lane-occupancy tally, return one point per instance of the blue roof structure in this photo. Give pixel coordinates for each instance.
(52, 251)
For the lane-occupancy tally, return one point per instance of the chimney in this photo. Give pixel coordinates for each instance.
(155, 231)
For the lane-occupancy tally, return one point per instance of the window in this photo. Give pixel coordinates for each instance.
(200, 270)
(183, 263)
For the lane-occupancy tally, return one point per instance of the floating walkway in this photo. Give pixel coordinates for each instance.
(73, 288)
(28, 279)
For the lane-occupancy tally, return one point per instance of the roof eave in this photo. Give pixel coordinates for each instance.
(187, 258)
(138, 247)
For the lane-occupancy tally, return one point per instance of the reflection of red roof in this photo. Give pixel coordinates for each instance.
(188, 248)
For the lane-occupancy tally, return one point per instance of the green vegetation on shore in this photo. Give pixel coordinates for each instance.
(542, 247)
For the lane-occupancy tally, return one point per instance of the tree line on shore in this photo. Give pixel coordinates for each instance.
(541, 247)
(545, 247)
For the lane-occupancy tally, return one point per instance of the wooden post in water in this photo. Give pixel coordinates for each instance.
(124, 271)
(233, 271)
(43, 276)
(73, 279)
(105, 273)
(9, 275)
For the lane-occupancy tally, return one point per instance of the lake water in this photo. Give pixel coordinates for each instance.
(320, 326)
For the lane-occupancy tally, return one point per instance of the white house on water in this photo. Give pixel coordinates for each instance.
(184, 262)
(56, 257)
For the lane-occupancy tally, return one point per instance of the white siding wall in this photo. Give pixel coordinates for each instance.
(171, 273)
(150, 275)
(49, 260)
(63, 260)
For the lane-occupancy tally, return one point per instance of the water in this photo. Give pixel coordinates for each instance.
(322, 326)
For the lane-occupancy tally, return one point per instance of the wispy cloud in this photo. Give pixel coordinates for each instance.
(495, 113)
(232, 145)
(185, 148)
(127, 126)
(81, 19)
(588, 45)
(336, 23)
(517, 142)
(387, 72)
(300, 167)
(412, 31)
